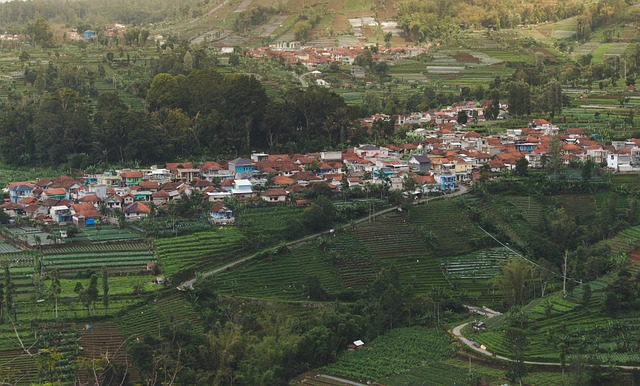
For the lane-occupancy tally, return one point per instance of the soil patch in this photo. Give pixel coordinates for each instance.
(466, 58)
(634, 256)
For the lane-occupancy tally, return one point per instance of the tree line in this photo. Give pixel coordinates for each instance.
(202, 114)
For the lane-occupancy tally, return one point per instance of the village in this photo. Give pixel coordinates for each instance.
(439, 156)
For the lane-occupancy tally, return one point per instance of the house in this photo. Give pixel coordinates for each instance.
(242, 189)
(136, 211)
(160, 197)
(220, 214)
(159, 175)
(128, 199)
(447, 181)
(19, 190)
(182, 171)
(85, 214)
(131, 178)
(55, 193)
(88, 34)
(211, 170)
(13, 209)
(240, 166)
(274, 195)
(61, 214)
(113, 202)
(420, 163)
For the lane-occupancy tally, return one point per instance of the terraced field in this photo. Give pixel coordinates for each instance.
(200, 250)
(148, 319)
(16, 364)
(625, 241)
(117, 257)
(104, 339)
(7, 248)
(283, 277)
(530, 207)
(471, 274)
(460, 372)
(453, 231)
(392, 240)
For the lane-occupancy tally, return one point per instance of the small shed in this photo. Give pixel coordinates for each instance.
(355, 345)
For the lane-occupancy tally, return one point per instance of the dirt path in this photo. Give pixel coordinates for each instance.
(189, 283)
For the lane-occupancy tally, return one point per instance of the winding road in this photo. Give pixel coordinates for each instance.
(457, 332)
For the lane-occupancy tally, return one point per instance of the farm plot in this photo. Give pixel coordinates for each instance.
(126, 257)
(199, 250)
(7, 248)
(471, 274)
(32, 236)
(564, 321)
(625, 241)
(482, 264)
(267, 225)
(447, 226)
(577, 205)
(104, 338)
(393, 353)
(22, 278)
(392, 240)
(100, 233)
(16, 364)
(530, 207)
(461, 372)
(282, 277)
(149, 318)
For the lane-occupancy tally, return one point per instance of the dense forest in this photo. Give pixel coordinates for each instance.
(14, 15)
(438, 19)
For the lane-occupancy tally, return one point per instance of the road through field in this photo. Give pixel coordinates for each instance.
(189, 284)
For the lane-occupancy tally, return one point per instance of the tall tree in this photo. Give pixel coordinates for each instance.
(54, 291)
(9, 292)
(105, 288)
(515, 340)
(553, 97)
(513, 280)
(519, 98)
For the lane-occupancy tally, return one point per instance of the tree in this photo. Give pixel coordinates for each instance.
(40, 33)
(513, 280)
(522, 167)
(515, 341)
(315, 289)
(462, 117)
(555, 155)
(587, 170)
(9, 292)
(91, 293)
(162, 91)
(492, 112)
(105, 288)
(519, 98)
(553, 97)
(586, 294)
(55, 290)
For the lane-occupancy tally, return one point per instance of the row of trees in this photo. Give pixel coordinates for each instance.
(203, 114)
(439, 19)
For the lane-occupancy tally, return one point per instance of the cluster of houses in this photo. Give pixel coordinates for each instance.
(314, 57)
(438, 159)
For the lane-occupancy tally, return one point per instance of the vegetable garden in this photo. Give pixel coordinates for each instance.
(394, 353)
(200, 250)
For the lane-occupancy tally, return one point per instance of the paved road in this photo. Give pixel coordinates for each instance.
(457, 332)
(189, 284)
